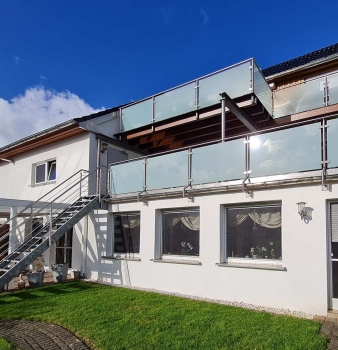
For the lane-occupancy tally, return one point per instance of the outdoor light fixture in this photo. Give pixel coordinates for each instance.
(301, 210)
(104, 147)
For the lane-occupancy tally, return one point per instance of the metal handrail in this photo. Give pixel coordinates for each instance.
(49, 203)
(38, 200)
(70, 198)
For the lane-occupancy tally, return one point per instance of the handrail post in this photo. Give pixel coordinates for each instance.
(99, 183)
(81, 184)
(50, 223)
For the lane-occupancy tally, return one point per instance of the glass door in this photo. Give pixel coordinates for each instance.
(334, 255)
(63, 250)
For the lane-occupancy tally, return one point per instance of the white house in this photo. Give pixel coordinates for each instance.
(224, 187)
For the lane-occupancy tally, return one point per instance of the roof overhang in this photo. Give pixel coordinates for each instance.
(46, 137)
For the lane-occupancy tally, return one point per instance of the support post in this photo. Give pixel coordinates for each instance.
(81, 184)
(50, 224)
(223, 117)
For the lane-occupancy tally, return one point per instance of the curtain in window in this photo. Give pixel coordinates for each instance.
(130, 223)
(191, 221)
(268, 220)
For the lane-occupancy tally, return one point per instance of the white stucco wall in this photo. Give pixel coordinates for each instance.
(16, 178)
(302, 287)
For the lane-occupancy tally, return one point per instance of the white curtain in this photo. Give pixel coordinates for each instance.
(131, 223)
(268, 220)
(190, 221)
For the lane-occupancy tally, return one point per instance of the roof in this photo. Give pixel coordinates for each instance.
(303, 60)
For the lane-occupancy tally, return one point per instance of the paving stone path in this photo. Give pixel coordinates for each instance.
(329, 329)
(27, 335)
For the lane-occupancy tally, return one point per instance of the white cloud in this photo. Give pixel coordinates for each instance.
(205, 16)
(17, 60)
(38, 109)
(274, 146)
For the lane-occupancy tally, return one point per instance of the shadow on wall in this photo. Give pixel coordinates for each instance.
(110, 271)
(308, 216)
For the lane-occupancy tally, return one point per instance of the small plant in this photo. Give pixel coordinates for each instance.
(38, 264)
(186, 247)
(258, 251)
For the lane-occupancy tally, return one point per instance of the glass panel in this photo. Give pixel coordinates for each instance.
(286, 151)
(333, 88)
(254, 233)
(234, 81)
(219, 162)
(40, 173)
(127, 233)
(332, 143)
(180, 235)
(299, 98)
(169, 170)
(127, 177)
(175, 102)
(335, 278)
(51, 171)
(137, 115)
(262, 89)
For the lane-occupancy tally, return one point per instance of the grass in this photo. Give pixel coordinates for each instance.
(4, 345)
(118, 318)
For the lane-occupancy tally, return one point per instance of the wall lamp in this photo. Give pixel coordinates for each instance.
(104, 147)
(301, 209)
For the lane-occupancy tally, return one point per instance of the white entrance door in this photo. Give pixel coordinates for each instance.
(334, 255)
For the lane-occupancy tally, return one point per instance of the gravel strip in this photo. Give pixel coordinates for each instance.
(298, 314)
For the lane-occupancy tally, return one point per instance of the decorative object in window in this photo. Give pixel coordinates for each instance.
(254, 232)
(45, 172)
(127, 233)
(180, 233)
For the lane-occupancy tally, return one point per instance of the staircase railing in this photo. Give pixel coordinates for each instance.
(29, 221)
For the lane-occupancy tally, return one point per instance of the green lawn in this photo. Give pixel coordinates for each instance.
(4, 345)
(117, 318)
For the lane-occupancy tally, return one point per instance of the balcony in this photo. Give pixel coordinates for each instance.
(241, 80)
(305, 151)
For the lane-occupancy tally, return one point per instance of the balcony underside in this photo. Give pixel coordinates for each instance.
(197, 127)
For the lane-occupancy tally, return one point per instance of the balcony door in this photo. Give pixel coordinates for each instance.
(334, 255)
(63, 249)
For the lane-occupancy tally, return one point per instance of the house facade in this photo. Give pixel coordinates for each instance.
(225, 188)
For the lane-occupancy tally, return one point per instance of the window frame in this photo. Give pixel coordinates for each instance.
(48, 166)
(175, 257)
(271, 264)
(125, 255)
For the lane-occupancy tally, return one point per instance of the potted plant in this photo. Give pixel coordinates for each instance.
(60, 272)
(35, 278)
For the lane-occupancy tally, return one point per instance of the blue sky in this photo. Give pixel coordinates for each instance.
(87, 55)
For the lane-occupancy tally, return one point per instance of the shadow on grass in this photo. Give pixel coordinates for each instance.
(44, 292)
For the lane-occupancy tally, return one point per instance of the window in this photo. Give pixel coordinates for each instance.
(180, 233)
(127, 233)
(63, 250)
(44, 172)
(254, 232)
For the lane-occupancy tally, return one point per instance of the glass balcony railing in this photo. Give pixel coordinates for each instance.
(280, 152)
(238, 80)
(305, 96)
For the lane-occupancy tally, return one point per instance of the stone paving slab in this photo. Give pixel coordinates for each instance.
(330, 330)
(28, 335)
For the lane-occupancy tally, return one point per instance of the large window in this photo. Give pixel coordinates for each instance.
(180, 233)
(44, 172)
(127, 233)
(254, 232)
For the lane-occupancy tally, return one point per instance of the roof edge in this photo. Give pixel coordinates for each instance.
(38, 134)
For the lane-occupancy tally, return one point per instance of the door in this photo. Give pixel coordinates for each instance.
(63, 250)
(4, 229)
(334, 254)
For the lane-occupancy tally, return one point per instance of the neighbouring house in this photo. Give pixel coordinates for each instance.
(225, 187)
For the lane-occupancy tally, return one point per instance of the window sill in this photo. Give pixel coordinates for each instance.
(44, 183)
(120, 258)
(254, 264)
(177, 261)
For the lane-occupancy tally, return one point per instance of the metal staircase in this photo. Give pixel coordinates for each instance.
(60, 209)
